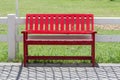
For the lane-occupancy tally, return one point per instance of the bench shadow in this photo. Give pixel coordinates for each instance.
(19, 72)
(52, 65)
(61, 65)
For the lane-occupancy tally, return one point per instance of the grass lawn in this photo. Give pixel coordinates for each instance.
(97, 7)
(105, 52)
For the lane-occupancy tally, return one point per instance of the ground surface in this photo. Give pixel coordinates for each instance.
(59, 72)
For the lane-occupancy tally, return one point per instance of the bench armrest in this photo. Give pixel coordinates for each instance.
(25, 35)
(24, 32)
(88, 32)
(94, 32)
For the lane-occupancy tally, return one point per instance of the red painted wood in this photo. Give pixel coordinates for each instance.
(62, 23)
(41, 23)
(60, 57)
(72, 23)
(77, 24)
(67, 23)
(82, 23)
(35, 42)
(59, 24)
(36, 23)
(93, 50)
(87, 23)
(51, 23)
(46, 22)
(25, 48)
(60, 32)
(31, 23)
(56, 23)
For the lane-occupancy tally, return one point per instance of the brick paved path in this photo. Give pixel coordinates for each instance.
(64, 72)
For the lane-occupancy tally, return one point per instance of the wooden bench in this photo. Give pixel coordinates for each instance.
(63, 29)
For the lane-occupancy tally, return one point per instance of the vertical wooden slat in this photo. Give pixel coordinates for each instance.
(41, 22)
(62, 23)
(82, 23)
(72, 23)
(67, 23)
(77, 23)
(36, 23)
(87, 23)
(56, 23)
(31, 23)
(51, 23)
(46, 23)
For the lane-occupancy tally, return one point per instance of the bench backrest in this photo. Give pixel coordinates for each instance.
(59, 23)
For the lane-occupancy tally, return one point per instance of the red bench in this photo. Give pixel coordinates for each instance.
(59, 25)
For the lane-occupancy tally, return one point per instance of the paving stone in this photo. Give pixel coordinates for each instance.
(48, 69)
(39, 69)
(80, 69)
(102, 75)
(113, 79)
(72, 69)
(32, 78)
(58, 74)
(49, 74)
(73, 74)
(92, 74)
(84, 79)
(50, 79)
(90, 79)
(66, 74)
(11, 78)
(118, 74)
(64, 69)
(116, 69)
(56, 69)
(82, 74)
(3, 77)
(40, 78)
(58, 78)
(108, 69)
(41, 74)
(66, 78)
(89, 69)
(75, 78)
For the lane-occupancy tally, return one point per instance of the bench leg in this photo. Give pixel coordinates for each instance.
(93, 50)
(25, 54)
(93, 55)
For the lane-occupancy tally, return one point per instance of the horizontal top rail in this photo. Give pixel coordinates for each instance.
(98, 20)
